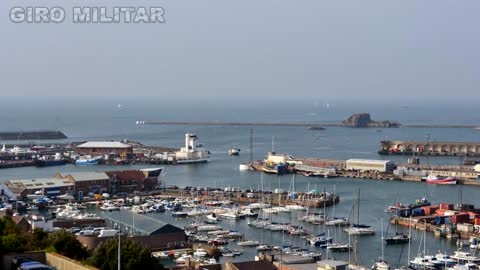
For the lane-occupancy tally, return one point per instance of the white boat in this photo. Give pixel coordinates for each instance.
(248, 243)
(264, 248)
(200, 253)
(296, 207)
(339, 247)
(467, 266)
(465, 257)
(381, 265)
(337, 222)
(359, 229)
(433, 179)
(421, 262)
(244, 167)
(234, 151)
(212, 217)
(233, 215)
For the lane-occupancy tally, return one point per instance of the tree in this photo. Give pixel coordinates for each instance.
(133, 256)
(66, 244)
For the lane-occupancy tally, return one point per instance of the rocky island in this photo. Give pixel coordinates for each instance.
(363, 120)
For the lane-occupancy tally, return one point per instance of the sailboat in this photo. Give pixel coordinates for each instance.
(359, 229)
(381, 264)
(398, 238)
(421, 262)
(336, 221)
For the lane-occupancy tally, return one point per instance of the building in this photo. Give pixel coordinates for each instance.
(134, 180)
(86, 182)
(163, 236)
(97, 148)
(370, 165)
(49, 186)
(332, 265)
(192, 152)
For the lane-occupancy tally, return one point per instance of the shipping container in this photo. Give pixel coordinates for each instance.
(446, 206)
(460, 218)
(465, 227)
(418, 212)
(429, 210)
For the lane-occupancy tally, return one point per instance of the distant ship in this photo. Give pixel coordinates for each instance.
(315, 128)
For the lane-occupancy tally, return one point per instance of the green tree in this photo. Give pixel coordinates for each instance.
(67, 244)
(133, 256)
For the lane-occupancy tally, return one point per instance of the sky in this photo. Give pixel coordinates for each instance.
(357, 50)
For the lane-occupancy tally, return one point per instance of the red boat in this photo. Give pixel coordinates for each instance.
(432, 179)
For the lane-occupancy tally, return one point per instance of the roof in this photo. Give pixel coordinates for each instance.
(104, 144)
(371, 161)
(88, 176)
(40, 183)
(127, 175)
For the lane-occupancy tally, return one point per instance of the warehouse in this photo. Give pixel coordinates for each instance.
(49, 186)
(134, 180)
(103, 148)
(86, 182)
(370, 165)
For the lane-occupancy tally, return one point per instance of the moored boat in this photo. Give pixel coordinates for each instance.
(433, 179)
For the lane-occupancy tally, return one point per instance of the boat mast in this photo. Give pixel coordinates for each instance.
(273, 144)
(358, 207)
(409, 238)
(381, 239)
(251, 145)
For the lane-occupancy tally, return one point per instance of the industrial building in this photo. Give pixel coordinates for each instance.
(370, 165)
(86, 182)
(49, 186)
(94, 148)
(134, 180)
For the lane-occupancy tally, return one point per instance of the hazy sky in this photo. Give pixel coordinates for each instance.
(251, 48)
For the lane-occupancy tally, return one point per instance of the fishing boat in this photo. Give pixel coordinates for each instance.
(47, 161)
(433, 179)
(88, 161)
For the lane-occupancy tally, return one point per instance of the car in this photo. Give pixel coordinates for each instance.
(17, 261)
(74, 230)
(34, 265)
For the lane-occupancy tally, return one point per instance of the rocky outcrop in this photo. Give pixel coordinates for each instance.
(363, 120)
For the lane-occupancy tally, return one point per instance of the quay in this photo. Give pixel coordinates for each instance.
(429, 148)
(364, 169)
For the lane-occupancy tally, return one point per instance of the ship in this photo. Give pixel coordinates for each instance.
(88, 161)
(433, 179)
(193, 152)
(47, 161)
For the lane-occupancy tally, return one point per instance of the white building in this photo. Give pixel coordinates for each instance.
(192, 152)
(370, 165)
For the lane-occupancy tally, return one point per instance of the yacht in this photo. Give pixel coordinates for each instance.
(200, 253)
(337, 222)
(421, 263)
(380, 264)
(360, 229)
(465, 257)
(320, 240)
